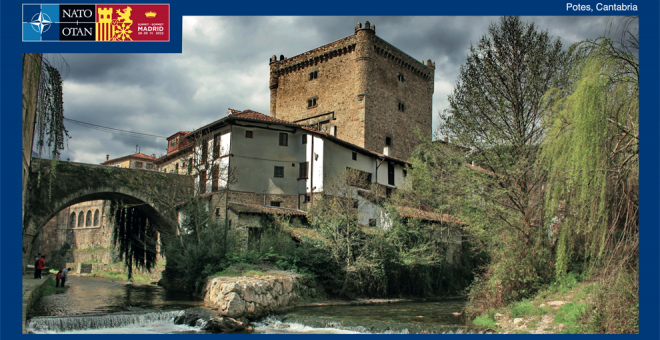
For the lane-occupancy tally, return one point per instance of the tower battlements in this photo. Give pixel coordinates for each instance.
(360, 88)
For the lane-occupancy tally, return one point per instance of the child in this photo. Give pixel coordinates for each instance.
(58, 278)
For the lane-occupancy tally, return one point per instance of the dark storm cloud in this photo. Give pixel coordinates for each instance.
(225, 64)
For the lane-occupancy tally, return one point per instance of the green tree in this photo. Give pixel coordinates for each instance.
(593, 153)
(496, 111)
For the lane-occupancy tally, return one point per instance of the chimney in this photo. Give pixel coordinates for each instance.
(107, 158)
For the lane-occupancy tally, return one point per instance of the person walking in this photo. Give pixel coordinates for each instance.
(65, 271)
(40, 266)
(36, 262)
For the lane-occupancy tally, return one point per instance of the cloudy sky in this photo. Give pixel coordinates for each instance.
(225, 64)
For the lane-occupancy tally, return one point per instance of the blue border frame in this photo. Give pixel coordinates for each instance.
(10, 123)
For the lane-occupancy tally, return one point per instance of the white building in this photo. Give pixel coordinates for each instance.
(279, 164)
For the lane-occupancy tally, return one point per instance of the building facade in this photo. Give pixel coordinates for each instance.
(134, 161)
(360, 89)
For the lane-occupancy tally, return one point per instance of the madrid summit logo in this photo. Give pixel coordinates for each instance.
(86, 22)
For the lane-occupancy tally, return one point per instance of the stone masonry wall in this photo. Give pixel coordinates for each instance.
(386, 91)
(358, 80)
(252, 297)
(336, 88)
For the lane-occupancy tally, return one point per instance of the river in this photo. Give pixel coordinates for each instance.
(97, 306)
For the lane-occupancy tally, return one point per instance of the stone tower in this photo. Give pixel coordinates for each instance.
(360, 89)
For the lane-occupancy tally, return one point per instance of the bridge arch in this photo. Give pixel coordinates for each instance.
(154, 194)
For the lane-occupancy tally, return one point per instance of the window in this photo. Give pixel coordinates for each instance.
(248, 134)
(405, 172)
(217, 211)
(96, 218)
(88, 223)
(173, 143)
(311, 102)
(176, 168)
(274, 204)
(189, 165)
(216, 178)
(355, 204)
(401, 78)
(304, 138)
(390, 173)
(202, 182)
(205, 151)
(388, 141)
(72, 220)
(138, 165)
(402, 107)
(306, 199)
(150, 166)
(388, 192)
(216, 147)
(284, 139)
(303, 170)
(372, 222)
(313, 75)
(81, 220)
(355, 156)
(279, 172)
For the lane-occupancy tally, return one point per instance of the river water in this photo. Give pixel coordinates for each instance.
(97, 306)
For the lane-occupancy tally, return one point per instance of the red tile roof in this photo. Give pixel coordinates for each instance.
(478, 168)
(135, 155)
(261, 209)
(426, 215)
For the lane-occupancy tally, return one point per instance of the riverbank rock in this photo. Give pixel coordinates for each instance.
(256, 296)
(210, 321)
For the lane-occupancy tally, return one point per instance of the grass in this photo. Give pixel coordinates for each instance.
(573, 315)
(50, 288)
(570, 315)
(485, 321)
(137, 277)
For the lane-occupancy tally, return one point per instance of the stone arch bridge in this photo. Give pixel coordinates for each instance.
(55, 186)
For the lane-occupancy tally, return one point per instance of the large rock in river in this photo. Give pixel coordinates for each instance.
(255, 296)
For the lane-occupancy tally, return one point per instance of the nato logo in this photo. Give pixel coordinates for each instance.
(41, 22)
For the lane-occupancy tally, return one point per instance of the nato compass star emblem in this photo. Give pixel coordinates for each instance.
(41, 22)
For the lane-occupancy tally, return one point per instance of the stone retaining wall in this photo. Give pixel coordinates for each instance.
(253, 297)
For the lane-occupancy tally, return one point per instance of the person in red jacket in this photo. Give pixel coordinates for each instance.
(40, 266)
(58, 278)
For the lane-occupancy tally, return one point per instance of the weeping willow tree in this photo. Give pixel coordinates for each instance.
(593, 152)
(50, 132)
(135, 237)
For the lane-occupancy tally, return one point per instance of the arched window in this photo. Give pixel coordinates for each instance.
(88, 219)
(72, 220)
(81, 220)
(96, 218)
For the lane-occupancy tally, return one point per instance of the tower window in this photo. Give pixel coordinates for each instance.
(313, 75)
(311, 102)
(284, 139)
(402, 107)
(388, 141)
(401, 78)
(279, 172)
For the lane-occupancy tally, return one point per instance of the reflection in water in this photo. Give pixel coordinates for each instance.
(96, 295)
